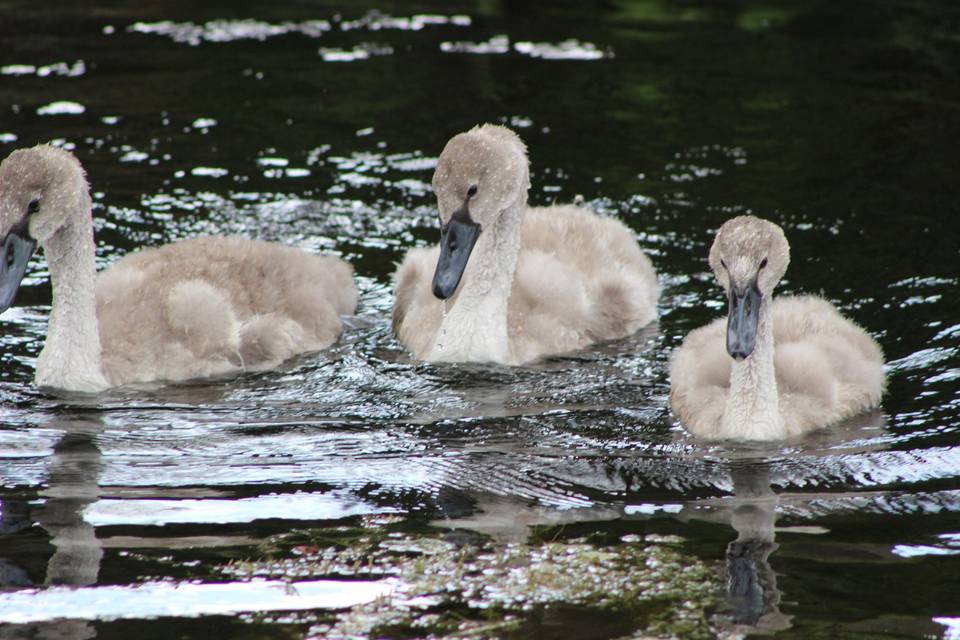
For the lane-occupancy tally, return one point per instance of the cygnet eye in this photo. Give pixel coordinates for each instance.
(722, 263)
(763, 263)
(33, 207)
(472, 191)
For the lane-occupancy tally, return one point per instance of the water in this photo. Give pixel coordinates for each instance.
(554, 500)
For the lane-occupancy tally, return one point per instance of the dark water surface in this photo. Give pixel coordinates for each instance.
(559, 500)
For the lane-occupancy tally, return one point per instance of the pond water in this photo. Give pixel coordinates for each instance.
(356, 492)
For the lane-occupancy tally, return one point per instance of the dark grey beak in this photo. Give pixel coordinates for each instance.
(15, 253)
(457, 238)
(743, 319)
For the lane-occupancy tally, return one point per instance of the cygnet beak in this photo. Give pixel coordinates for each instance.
(744, 315)
(15, 253)
(457, 239)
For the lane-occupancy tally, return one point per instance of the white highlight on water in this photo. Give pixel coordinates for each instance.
(156, 599)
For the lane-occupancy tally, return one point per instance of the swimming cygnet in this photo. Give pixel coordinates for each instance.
(773, 369)
(510, 283)
(202, 307)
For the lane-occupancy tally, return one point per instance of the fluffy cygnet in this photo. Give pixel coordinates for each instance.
(772, 369)
(510, 283)
(202, 307)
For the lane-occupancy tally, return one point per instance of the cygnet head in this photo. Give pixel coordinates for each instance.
(748, 258)
(40, 189)
(480, 174)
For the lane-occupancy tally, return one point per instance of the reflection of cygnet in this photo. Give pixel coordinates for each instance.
(511, 283)
(511, 518)
(753, 598)
(201, 307)
(72, 485)
(773, 369)
(751, 581)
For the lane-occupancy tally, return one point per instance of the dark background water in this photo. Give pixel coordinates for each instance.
(317, 124)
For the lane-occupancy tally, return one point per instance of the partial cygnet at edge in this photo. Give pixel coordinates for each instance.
(773, 369)
(510, 283)
(202, 307)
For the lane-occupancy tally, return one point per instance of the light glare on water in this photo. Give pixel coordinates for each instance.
(151, 600)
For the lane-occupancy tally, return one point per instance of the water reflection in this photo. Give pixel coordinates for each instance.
(72, 484)
(751, 581)
(752, 595)
(510, 519)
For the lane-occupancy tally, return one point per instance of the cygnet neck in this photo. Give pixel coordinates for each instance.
(475, 326)
(489, 274)
(752, 410)
(71, 356)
